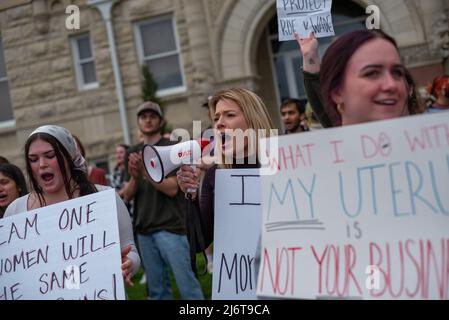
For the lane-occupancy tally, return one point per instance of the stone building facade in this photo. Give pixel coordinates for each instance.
(217, 44)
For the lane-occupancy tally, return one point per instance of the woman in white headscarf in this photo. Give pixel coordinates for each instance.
(57, 172)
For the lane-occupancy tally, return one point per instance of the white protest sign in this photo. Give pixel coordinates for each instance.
(237, 222)
(359, 212)
(304, 17)
(70, 250)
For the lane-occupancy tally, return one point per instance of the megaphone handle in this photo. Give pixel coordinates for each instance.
(191, 190)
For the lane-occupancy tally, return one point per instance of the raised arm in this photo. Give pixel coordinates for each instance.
(311, 73)
(309, 51)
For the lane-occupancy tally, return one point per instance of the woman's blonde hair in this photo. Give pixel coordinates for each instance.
(254, 110)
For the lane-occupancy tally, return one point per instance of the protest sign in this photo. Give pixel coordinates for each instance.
(359, 212)
(70, 250)
(237, 224)
(304, 17)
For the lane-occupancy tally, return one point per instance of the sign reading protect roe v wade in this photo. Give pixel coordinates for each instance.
(359, 212)
(304, 17)
(238, 218)
(70, 250)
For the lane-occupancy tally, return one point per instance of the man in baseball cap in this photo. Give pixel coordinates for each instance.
(159, 216)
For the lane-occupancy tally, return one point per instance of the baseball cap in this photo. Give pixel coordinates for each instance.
(149, 106)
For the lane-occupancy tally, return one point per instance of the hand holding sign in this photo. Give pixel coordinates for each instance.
(303, 17)
(127, 266)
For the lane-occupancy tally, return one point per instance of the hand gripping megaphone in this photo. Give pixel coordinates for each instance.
(160, 161)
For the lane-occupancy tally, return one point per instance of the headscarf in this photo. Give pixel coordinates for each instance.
(66, 139)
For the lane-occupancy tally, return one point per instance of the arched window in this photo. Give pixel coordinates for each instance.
(287, 60)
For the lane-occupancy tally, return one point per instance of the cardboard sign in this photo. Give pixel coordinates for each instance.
(304, 17)
(70, 250)
(359, 212)
(236, 233)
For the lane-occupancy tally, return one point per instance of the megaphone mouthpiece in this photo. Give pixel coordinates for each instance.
(203, 143)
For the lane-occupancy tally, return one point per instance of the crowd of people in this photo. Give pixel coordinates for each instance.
(352, 84)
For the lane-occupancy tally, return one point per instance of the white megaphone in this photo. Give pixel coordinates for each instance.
(160, 161)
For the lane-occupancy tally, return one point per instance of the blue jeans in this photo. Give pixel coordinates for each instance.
(160, 251)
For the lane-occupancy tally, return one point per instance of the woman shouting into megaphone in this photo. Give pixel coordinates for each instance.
(234, 112)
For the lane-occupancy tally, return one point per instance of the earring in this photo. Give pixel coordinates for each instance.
(339, 108)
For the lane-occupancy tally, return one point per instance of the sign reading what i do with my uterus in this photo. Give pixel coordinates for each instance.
(359, 212)
(237, 225)
(304, 17)
(70, 250)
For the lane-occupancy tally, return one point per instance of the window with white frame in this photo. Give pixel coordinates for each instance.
(6, 115)
(84, 62)
(158, 48)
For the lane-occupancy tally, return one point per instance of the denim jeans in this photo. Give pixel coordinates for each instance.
(163, 250)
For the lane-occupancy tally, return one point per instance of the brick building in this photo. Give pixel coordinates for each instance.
(49, 74)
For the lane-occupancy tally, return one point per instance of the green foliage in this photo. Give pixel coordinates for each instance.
(149, 88)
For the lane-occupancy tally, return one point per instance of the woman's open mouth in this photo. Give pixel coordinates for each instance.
(225, 139)
(386, 102)
(47, 177)
(4, 199)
